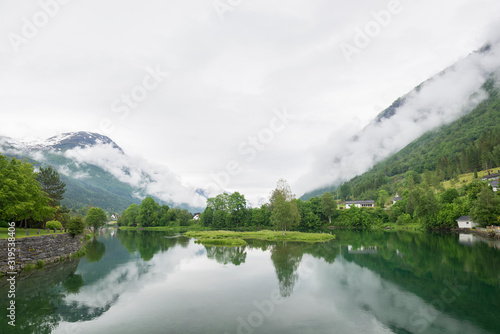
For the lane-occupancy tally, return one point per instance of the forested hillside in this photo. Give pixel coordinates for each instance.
(471, 143)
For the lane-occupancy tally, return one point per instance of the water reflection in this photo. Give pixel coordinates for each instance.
(95, 250)
(470, 239)
(132, 281)
(225, 255)
(149, 243)
(362, 250)
(38, 298)
(73, 283)
(286, 258)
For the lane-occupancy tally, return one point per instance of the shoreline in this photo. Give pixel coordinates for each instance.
(480, 232)
(37, 251)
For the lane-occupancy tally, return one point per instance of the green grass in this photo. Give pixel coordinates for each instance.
(468, 178)
(229, 238)
(21, 232)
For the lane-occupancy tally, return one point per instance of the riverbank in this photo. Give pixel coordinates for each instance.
(37, 251)
(384, 227)
(487, 233)
(230, 238)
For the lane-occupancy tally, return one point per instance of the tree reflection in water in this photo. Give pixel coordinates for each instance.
(225, 255)
(286, 258)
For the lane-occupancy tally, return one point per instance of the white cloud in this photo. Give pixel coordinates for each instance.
(439, 101)
(155, 180)
(225, 75)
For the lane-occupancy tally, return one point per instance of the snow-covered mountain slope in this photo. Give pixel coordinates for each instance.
(65, 141)
(96, 170)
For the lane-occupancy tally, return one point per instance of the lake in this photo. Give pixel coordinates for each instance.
(362, 282)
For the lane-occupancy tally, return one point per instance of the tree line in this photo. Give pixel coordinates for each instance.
(150, 214)
(283, 212)
(33, 199)
(424, 202)
(29, 197)
(482, 154)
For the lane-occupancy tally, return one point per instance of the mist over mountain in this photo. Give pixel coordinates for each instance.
(438, 101)
(97, 171)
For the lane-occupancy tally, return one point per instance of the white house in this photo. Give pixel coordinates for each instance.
(360, 204)
(396, 199)
(196, 216)
(466, 222)
(494, 185)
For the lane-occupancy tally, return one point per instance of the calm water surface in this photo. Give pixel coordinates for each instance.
(153, 282)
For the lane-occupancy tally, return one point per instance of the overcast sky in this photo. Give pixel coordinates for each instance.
(251, 88)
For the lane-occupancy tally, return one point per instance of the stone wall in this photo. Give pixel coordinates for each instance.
(48, 248)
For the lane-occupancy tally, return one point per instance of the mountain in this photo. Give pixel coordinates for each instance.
(65, 141)
(97, 171)
(435, 123)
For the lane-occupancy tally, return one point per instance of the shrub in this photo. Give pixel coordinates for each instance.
(54, 224)
(76, 226)
(4, 224)
(29, 267)
(40, 264)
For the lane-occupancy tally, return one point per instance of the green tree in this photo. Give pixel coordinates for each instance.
(184, 217)
(328, 205)
(285, 213)
(163, 215)
(95, 218)
(237, 207)
(449, 195)
(312, 221)
(207, 217)
(52, 185)
(383, 195)
(486, 208)
(21, 197)
(76, 226)
(345, 191)
(129, 216)
(148, 212)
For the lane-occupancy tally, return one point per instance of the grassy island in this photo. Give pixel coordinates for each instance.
(229, 238)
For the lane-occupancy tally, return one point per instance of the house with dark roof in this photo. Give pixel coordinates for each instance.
(360, 204)
(466, 222)
(396, 199)
(494, 185)
(491, 176)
